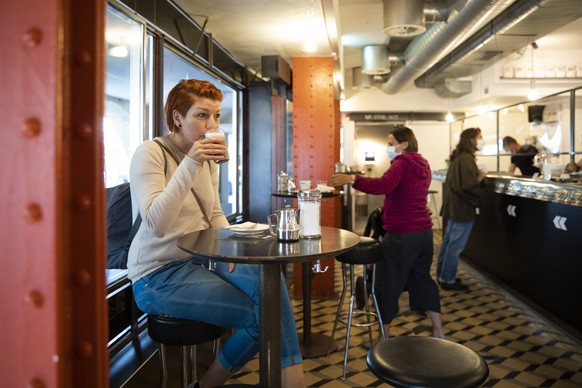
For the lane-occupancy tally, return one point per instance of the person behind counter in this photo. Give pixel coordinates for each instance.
(166, 280)
(522, 156)
(407, 245)
(461, 193)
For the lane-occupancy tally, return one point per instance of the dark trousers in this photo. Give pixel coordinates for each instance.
(406, 262)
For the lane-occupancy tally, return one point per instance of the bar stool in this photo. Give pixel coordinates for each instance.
(186, 334)
(426, 362)
(435, 211)
(368, 251)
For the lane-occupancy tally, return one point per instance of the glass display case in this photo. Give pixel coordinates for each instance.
(550, 124)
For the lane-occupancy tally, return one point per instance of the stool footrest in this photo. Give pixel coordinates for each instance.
(359, 314)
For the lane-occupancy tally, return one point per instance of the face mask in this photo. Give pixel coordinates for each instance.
(391, 151)
(480, 144)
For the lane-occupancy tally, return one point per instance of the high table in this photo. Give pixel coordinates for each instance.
(312, 344)
(269, 253)
(293, 194)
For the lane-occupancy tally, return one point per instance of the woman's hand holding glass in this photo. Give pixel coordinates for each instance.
(210, 148)
(340, 179)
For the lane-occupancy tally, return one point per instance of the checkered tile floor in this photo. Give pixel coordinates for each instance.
(521, 348)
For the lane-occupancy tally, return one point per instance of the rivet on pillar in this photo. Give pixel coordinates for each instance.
(32, 37)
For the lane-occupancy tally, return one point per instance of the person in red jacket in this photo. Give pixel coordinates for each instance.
(408, 242)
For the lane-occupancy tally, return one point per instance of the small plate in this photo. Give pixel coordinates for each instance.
(258, 229)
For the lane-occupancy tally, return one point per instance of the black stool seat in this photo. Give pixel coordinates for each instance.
(426, 362)
(182, 332)
(186, 334)
(368, 251)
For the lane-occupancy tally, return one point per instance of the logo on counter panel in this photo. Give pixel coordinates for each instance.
(560, 222)
(511, 210)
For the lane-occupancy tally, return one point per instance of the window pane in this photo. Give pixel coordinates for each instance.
(549, 126)
(513, 121)
(177, 68)
(123, 121)
(149, 88)
(486, 158)
(578, 128)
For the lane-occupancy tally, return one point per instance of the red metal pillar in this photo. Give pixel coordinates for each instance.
(316, 143)
(53, 325)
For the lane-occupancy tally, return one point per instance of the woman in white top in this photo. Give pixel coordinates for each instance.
(168, 281)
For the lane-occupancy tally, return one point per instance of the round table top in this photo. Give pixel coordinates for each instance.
(224, 245)
(293, 194)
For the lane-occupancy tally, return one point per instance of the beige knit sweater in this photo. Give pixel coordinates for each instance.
(167, 206)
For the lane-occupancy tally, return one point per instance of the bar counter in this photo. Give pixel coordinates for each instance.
(527, 237)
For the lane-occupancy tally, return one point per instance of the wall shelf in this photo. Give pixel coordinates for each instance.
(541, 79)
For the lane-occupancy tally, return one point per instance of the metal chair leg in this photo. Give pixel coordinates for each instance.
(379, 317)
(185, 366)
(367, 304)
(350, 317)
(215, 347)
(193, 371)
(339, 308)
(163, 367)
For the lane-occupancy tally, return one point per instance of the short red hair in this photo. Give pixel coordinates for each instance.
(184, 95)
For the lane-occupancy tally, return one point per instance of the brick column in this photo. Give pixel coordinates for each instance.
(316, 144)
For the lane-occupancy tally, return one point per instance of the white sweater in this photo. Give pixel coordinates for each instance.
(168, 207)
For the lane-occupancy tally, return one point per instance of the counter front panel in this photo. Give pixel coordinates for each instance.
(530, 241)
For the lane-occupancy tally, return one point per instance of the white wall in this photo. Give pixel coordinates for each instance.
(434, 145)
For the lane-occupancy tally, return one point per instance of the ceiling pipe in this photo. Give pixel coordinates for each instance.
(375, 60)
(435, 12)
(500, 24)
(440, 38)
(361, 81)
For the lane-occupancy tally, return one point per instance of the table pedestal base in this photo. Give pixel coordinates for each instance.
(318, 346)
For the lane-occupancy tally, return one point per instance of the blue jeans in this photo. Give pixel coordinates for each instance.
(454, 241)
(185, 289)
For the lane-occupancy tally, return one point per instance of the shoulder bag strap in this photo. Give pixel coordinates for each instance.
(191, 189)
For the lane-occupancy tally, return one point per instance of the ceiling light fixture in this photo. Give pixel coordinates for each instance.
(119, 51)
(450, 117)
(481, 109)
(309, 47)
(533, 94)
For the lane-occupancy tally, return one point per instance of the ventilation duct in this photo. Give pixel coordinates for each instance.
(450, 88)
(403, 18)
(435, 12)
(440, 38)
(361, 81)
(375, 60)
(518, 25)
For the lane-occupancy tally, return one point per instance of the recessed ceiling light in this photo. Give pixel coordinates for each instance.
(119, 51)
(309, 47)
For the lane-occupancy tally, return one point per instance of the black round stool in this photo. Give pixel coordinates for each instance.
(367, 252)
(186, 334)
(426, 362)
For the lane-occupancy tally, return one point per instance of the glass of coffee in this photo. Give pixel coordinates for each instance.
(217, 134)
